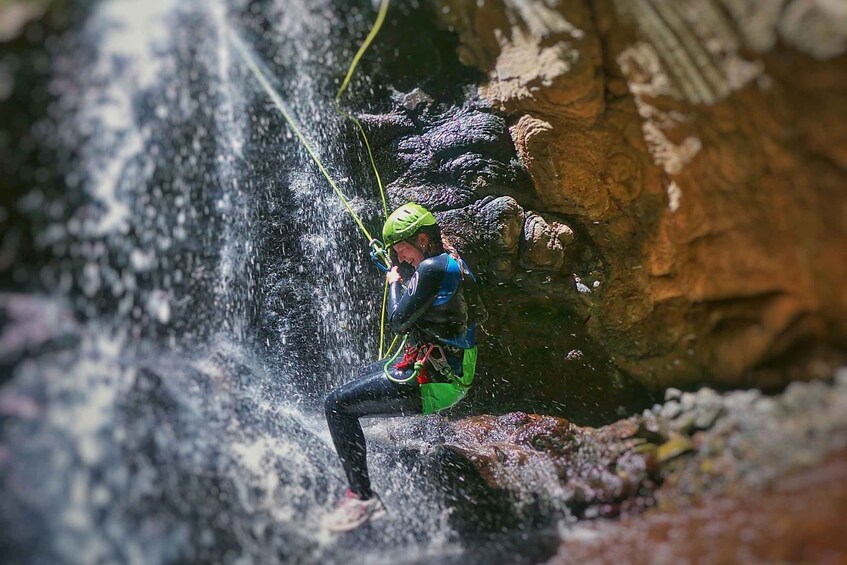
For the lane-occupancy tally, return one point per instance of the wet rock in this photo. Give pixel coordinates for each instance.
(742, 436)
(442, 155)
(459, 161)
(672, 394)
(631, 120)
(693, 411)
(739, 443)
(543, 244)
(490, 230)
(670, 410)
(552, 464)
(706, 415)
(683, 423)
(477, 504)
(651, 428)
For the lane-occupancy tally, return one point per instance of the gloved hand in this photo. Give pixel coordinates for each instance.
(393, 275)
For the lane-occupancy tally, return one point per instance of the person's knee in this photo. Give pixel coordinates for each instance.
(334, 403)
(370, 369)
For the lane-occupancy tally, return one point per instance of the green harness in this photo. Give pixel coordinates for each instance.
(440, 396)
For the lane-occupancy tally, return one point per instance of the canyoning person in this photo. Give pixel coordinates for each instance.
(438, 309)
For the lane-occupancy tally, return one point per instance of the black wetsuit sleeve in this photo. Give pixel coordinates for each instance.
(406, 306)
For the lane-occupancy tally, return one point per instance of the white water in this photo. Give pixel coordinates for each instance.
(208, 257)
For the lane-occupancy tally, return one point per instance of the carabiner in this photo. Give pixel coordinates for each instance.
(377, 260)
(379, 256)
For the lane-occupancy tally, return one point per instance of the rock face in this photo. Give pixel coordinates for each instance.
(695, 153)
(455, 156)
(762, 527)
(693, 447)
(582, 471)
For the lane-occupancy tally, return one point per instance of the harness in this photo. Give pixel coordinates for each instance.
(416, 357)
(436, 396)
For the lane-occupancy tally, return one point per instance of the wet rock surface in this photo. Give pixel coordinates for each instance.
(693, 448)
(798, 519)
(586, 471)
(457, 159)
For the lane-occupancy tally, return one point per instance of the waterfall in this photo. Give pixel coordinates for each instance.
(220, 290)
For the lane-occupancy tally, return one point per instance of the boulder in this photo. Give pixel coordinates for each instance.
(550, 467)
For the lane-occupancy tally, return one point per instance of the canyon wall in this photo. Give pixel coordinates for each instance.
(696, 152)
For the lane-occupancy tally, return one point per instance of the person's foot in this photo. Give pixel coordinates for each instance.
(353, 511)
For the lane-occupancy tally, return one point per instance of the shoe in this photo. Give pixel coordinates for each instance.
(353, 511)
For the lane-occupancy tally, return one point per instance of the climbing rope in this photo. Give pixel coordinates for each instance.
(390, 360)
(383, 10)
(378, 252)
(280, 105)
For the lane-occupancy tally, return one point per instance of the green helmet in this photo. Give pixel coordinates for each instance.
(404, 222)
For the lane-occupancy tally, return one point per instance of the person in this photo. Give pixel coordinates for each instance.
(438, 310)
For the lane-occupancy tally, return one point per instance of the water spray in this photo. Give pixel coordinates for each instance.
(377, 249)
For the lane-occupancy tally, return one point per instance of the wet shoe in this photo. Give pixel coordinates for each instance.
(353, 511)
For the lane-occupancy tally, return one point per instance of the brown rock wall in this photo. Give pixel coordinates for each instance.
(701, 150)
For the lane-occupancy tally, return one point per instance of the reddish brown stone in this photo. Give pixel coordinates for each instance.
(706, 163)
(774, 526)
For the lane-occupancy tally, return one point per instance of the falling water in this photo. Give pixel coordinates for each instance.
(219, 291)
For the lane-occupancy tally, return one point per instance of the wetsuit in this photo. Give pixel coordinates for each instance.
(438, 309)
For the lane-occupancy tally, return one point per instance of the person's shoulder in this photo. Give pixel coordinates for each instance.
(434, 265)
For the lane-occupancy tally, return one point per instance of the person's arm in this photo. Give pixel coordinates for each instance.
(405, 307)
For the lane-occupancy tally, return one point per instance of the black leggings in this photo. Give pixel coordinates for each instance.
(372, 394)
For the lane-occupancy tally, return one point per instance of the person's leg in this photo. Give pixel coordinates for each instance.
(370, 395)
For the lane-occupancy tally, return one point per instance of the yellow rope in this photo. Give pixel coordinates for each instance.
(391, 359)
(370, 155)
(383, 10)
(393, 343)
(280, 105)
(382, 318)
